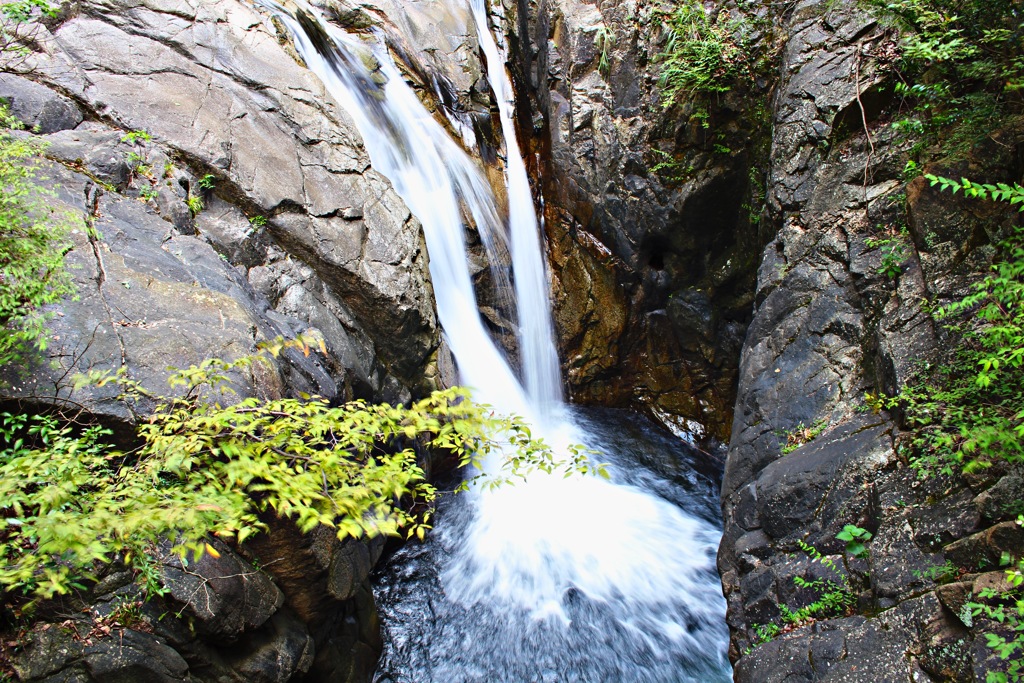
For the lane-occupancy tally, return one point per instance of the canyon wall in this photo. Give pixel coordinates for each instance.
(732, 291)
(220, 199)
(824, 315)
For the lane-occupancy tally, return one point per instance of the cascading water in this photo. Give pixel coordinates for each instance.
(553, 578)
(536, 333)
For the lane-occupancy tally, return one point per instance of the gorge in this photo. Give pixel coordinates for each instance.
(753, 267)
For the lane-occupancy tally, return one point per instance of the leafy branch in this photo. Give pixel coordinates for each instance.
(998, 192)
(72, 501)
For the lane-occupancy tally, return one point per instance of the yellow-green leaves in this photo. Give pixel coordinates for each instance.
(33, 240)
(71, 500)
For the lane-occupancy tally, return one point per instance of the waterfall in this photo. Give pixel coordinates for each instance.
(536, 333)
(434, 177)
(643, 566)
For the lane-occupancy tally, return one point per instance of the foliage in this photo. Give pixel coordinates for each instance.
(894, 252)
(969, 411)
(835, 596)
(258, 221)
(670, 168)
(999, 192)
(71, 500)
(195, 203)
(704, 53)
(138, 158)
(604, 41)
(147, 192)
(856, 539)
(1006, 607)
(207, 182)
(33, 240)
(962, 69)
(23, 10)
(137, 137)
(17, 33)
(800, 435)
(940, 573)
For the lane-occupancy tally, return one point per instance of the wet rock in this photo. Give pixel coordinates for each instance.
(637, 236)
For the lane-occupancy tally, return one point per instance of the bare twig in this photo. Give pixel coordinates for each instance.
(864, 121)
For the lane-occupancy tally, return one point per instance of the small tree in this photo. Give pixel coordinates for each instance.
(32, 245)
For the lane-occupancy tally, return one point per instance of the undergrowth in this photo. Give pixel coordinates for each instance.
(72, 502)
(835, 595)
(960, 79)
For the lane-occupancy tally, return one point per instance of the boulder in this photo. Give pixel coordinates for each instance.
(41, 109)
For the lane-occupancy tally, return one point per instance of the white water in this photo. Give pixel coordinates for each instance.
(536, 333)
(646, 561)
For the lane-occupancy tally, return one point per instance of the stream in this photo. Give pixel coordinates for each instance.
(554, 578)
(431, 635)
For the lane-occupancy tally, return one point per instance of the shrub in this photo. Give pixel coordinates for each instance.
(962, 67)
(33, 241)
(968, 412)
(703, 54)
(71, 500)
(1006, 607)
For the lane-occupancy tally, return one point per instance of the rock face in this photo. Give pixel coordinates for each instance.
(654, 264)
(686, 298)
(737, 287)
(831, 322)
(219, 199)
(330, 247)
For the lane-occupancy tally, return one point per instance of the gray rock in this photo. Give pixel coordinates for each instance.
(790, 491)
(59, 653)
(280, 652)
(95, 148)
(132, 656)
(39, 108)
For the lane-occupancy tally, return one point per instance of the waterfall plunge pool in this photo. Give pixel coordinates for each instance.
(433, 634)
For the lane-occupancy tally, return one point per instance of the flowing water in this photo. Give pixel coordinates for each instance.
(553, 578)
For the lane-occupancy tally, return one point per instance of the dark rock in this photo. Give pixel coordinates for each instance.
(1001, 501)
(94, 148)
(987, 547)
(63, 653)
(954, 597)
(635, 234)
(131, 656)
(945, 521)
(280, 652)
(753, 546)
(39, 108)
(790, 491)
(898, 566)
(224, 596)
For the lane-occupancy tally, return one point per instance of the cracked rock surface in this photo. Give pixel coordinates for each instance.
(829, 325)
